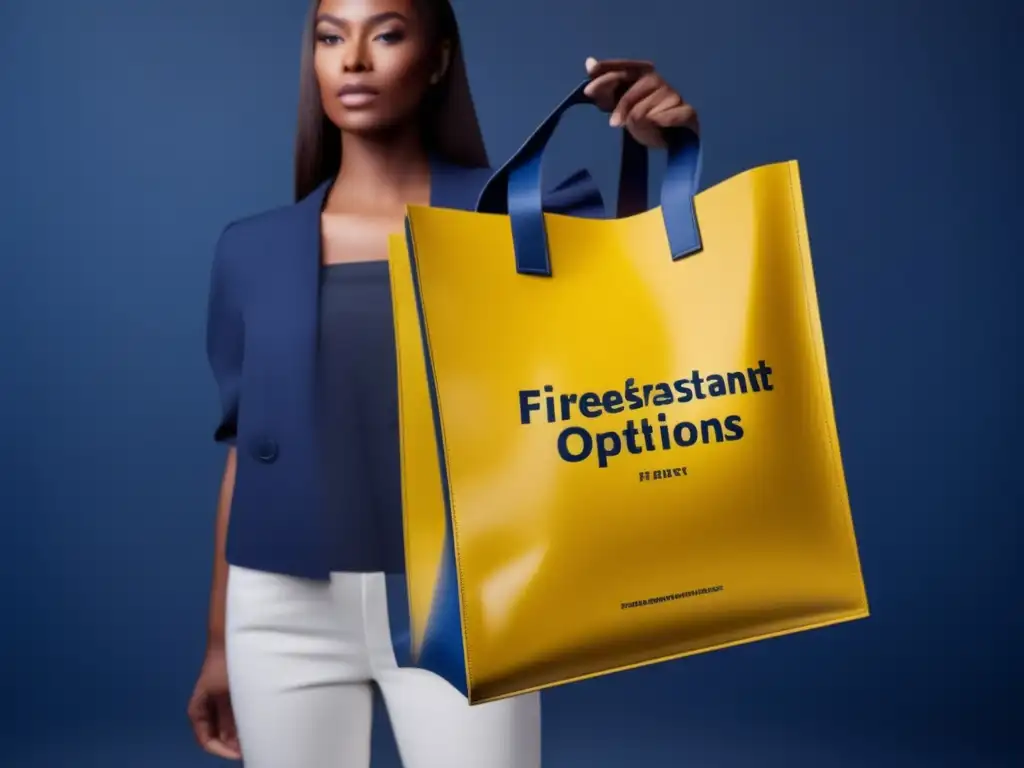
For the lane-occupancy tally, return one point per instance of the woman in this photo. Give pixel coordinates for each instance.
(301, 345)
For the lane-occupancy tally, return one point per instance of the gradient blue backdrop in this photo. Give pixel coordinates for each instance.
(132, 132)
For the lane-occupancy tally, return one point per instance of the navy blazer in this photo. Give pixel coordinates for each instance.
(262, 334)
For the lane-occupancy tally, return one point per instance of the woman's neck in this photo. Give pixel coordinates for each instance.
(381, 173)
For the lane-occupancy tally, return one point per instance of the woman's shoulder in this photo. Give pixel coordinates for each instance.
(270, 222)
(278, 229)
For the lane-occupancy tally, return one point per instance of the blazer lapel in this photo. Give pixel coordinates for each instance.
(300, 292)
(451, 186)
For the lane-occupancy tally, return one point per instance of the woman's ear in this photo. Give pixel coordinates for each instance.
(443, 60)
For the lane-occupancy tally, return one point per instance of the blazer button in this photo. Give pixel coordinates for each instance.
(266, 451)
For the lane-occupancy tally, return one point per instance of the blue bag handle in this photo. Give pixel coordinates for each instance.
(525, 189)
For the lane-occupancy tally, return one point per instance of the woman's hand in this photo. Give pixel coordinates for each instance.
(638, 98)
(209, 709)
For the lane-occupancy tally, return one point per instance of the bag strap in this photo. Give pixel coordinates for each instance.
(525, 186)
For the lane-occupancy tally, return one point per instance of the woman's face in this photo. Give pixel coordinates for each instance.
(374, 62)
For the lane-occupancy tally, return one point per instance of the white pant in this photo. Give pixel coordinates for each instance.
(302, 657)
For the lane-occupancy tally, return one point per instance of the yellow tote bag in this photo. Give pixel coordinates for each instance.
(618, 440)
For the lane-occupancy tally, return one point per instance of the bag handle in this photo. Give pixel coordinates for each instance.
(525, 187)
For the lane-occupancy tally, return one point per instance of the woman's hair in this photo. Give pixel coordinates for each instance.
(450, 122)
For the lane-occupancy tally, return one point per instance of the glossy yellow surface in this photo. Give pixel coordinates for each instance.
(556, 559)
(423, 506)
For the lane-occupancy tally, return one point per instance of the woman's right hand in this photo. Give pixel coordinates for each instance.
(209, 709)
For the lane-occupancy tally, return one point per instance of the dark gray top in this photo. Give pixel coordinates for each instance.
(358, 419)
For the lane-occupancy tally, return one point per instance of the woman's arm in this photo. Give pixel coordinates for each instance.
(224, 345)
(209, 708)
(218, 589)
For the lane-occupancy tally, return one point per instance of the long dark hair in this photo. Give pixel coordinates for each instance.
(451, 126)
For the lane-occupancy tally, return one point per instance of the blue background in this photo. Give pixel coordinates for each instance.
(132, 132)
